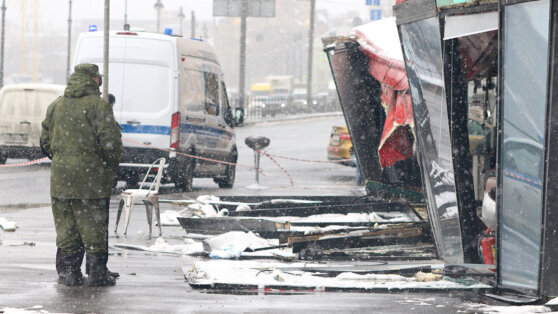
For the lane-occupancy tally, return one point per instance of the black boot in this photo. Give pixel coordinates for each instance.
(98, 275)
(60, 265)
(72, 269)
(110, 273)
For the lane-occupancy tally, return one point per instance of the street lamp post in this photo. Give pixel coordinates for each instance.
(106, 29)
(242, 72)
(158, 7)
(2, 43)
(69, 39)
(126, 12)
(310, 55)
(181, 17)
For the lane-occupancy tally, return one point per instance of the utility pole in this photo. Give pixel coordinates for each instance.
(192, 24)
(242, 72)
(310, 55)
(69, 40)
(181, 17)
(125, 12)
(2, 43)
(36, 43)
(158, 7)
(106, 29)
(22, 40)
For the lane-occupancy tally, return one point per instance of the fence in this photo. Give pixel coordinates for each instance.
(277, 105)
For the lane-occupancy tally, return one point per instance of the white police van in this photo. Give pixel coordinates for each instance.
(171, 100)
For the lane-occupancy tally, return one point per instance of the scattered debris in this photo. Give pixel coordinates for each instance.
(484, 308)
(424, 277)
(251, 275)
(266, 228)
(233, 244)
(190, 247)
(5, 242)
(7, 225)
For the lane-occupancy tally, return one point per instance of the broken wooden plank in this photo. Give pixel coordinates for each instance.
(218, 225)
(355, 239)
(303, 210)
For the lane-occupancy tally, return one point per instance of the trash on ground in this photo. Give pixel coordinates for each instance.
(7, 225)
(190, 247)
(250, 275)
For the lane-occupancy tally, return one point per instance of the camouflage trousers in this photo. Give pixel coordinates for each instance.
(80, 224)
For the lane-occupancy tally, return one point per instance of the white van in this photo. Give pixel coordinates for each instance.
(22, 109)
(170, 101)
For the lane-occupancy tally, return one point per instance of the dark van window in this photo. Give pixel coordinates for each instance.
(193, 93)
(211, 93)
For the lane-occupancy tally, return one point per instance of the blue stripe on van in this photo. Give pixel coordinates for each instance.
(204, 130)
(184, 128)
(149, 129)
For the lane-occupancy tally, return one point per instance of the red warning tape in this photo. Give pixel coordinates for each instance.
(192, 156)
(27, 163)
(308, 160)
(279, 166)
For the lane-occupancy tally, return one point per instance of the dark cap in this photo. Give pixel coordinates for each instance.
(88, 69)
(111, 99)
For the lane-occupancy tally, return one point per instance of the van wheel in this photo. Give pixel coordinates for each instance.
(3, 159)
(228, 181)
(186, 175)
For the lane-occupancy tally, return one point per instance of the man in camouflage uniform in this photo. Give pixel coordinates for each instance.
(82, 137)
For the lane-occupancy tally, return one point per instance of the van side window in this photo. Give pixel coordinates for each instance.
(193, 93)
(211, 93)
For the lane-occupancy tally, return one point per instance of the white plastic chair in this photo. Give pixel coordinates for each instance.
(149, 196)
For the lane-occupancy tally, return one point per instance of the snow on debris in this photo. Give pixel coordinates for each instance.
(262, 274)
(524, 309)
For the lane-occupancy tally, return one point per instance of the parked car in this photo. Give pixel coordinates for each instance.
(340, 146)
(276, 104)
(320, 102)
(299, 100)
(22, 109)
(171, 100)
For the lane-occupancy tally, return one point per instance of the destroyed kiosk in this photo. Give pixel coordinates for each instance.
(482, 84)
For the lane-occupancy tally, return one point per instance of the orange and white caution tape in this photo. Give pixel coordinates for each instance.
(27, 163)
(308, 160)
(279, 166)
(191, 156)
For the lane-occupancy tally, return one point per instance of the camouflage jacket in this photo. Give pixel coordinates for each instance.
(81, 135)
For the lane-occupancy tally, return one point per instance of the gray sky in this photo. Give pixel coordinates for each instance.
(55, 12)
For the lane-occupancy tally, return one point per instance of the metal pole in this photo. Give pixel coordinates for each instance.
(242, 71)
(158, 6)
(36, 42)
(2, 43)
(257, 162)
(125, 12)
(310, 53)
(69, 40)
(192, 24)
(106, 29)
(22, 40)
(181, 17)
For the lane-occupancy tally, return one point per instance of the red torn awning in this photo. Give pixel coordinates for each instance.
(379, 41)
